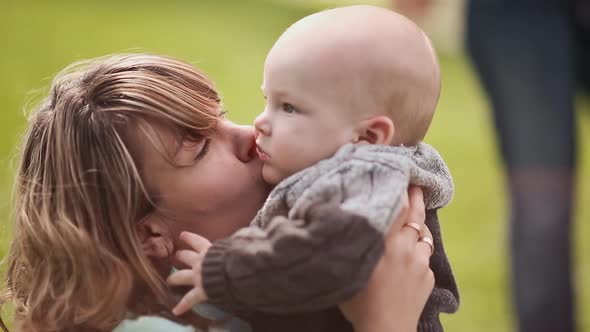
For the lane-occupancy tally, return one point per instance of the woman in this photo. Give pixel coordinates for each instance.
(125, 153)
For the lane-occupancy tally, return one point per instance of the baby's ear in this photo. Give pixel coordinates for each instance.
(155, 236)
(376, 130)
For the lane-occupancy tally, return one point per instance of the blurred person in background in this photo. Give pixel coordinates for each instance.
(531, 57)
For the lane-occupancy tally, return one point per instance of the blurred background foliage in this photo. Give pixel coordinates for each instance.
(228, 39)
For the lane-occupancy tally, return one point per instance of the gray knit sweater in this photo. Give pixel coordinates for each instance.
(319, 235)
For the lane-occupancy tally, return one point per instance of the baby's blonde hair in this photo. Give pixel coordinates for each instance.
(76, 262)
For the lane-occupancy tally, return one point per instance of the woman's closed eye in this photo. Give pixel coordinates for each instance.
(204, 149)
(197, 148)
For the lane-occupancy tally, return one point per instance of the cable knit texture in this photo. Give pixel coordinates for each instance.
(320, 234)
(367, 180)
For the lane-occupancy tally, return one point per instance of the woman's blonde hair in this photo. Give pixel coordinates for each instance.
(76, 262)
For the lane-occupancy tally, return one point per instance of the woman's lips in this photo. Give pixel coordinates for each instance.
(261, 154)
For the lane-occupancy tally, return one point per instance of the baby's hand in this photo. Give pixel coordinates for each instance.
(190, 277)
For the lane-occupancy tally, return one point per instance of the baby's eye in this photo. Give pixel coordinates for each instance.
(288, 108)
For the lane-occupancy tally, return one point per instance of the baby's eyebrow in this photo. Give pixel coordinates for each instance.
(282, 93)
(276, 92)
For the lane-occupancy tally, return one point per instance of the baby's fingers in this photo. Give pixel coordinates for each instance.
(182, 278)
(195, 296)
(197, 242)
(188, 257)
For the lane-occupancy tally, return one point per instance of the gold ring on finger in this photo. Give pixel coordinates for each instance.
(428, 240)
(417, 227)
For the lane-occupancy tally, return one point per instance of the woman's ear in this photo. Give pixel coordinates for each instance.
(376, 130)
(155, 236)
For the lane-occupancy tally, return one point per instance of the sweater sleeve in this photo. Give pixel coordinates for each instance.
(293, 265)
(445, 295)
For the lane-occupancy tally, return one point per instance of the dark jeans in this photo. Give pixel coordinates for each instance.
(531, 56)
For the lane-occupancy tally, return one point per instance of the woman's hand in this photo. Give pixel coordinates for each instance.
(402, 280)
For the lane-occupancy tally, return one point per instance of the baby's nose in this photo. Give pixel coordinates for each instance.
(262, 125)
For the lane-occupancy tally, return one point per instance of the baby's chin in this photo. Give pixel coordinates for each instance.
(271, 175)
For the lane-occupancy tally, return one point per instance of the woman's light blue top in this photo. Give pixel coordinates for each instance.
(227, 322)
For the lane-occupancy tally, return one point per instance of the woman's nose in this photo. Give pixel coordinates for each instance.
(262, 124)
(244, 142)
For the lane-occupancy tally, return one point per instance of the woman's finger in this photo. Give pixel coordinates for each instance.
(426, 242)
(182, 278)
(195, 241)
(410, 220)
(426, 232)
(401, 234)
(417, 208)
(413, 228)
(402, 217)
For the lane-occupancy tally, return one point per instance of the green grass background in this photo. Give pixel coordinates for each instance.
(228, 40)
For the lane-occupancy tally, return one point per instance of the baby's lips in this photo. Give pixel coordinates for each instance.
(261, 154)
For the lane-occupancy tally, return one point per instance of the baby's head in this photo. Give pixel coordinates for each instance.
(358, 74)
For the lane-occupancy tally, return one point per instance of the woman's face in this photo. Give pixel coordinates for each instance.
(218, 189)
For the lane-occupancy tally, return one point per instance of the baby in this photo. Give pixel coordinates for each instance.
(350, 94)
